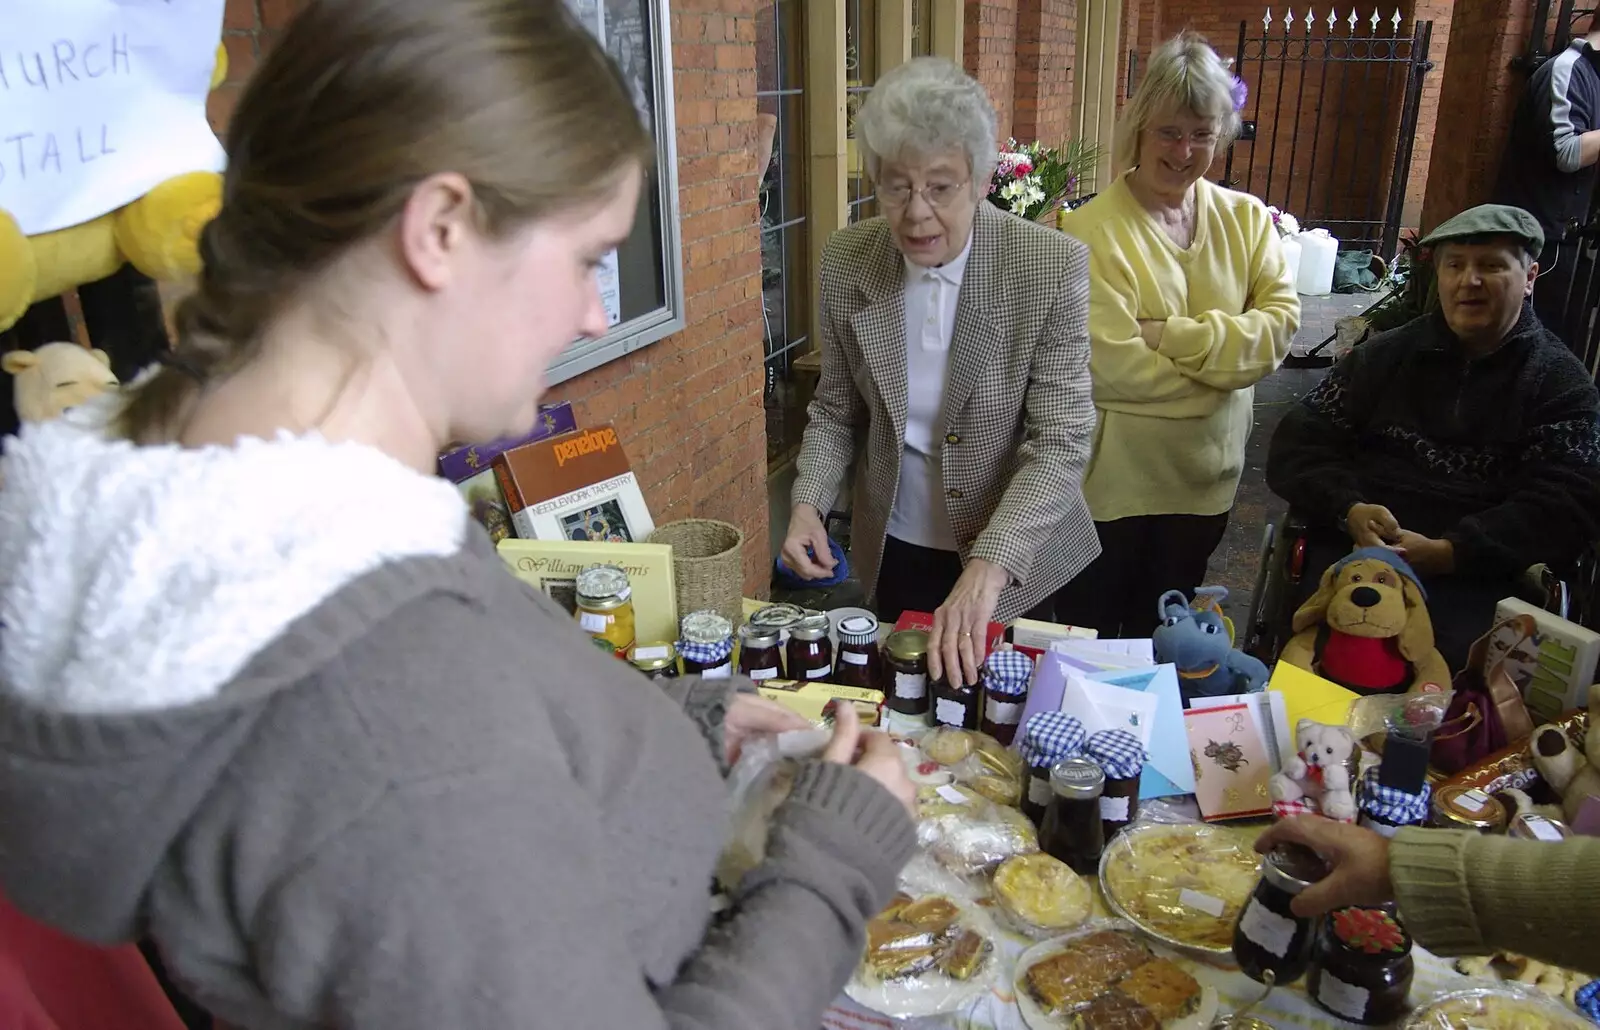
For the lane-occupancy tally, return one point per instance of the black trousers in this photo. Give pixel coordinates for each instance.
(1461, 609)
(914, 578)
(1141, 558)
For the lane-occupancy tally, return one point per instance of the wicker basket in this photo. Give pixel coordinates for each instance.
(707, 564)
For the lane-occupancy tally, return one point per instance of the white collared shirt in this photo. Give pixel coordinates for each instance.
(919, 516)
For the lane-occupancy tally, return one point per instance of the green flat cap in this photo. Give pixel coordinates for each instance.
(1489, 220)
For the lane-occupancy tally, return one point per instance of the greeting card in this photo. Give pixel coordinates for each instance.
(1231, 765)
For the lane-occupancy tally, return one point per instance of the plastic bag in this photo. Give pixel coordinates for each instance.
(1494, 1008)
(979, 761)
(1039, 896)
(759, 783)
(906, 973)
(1100, 973)
(1182, 882)
(967, 833)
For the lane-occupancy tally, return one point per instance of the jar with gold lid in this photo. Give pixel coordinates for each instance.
(1458, 807)
(706, 645)
(605, 606)
(905, 655)
(658, 660)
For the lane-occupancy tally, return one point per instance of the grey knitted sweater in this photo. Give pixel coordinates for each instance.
(282, 708)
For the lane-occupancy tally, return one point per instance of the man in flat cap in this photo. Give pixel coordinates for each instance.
(1467, 439)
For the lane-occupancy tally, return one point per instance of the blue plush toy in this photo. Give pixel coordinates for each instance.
(1198, 639)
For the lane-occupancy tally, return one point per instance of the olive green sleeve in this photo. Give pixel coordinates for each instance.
(1462, 893)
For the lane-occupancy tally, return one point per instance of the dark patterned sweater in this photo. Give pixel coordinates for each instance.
(1499, 454)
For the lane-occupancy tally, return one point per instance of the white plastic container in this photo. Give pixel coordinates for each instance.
(1291, 255)
(1318, 251)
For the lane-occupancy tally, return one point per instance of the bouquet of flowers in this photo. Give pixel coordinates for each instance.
(1286, 224)
(1032, 179)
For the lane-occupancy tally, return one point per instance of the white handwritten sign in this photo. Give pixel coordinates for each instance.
(101, 100)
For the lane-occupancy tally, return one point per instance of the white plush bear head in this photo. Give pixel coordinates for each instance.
(1322, 746)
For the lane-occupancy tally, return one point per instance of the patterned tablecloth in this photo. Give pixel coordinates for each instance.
(1288, 1008)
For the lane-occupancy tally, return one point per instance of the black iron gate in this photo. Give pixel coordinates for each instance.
(1330, 120)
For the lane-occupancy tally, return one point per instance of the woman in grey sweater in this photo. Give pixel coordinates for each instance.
(268, 697)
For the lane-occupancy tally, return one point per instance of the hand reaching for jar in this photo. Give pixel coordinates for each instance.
(1358, 858)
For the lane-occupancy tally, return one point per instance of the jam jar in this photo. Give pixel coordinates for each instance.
(1121, 757)
(1047, 739)
(780, 618)
(759, 655)
(605, 606)
(810, 650)
(1457, 807)
(1271, 943)
(858, 663)
(1005, 677)
(959, 707)
(706, 645)
(1385, 809)
(1072, 830)
(1362, 968)
(657, 660)
(905, 657)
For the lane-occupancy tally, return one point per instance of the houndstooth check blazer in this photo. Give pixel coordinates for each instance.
(1019, 416)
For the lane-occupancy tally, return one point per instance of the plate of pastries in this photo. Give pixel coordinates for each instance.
(925, 955)
(1105, 977)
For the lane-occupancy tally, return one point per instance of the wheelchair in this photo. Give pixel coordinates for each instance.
(1282, 569)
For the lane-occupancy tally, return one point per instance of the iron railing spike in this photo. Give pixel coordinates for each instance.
(1266, 21)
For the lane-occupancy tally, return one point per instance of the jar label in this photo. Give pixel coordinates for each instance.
(593, 622)
(763, 674)
(1341, 998)
(1212, 907)
(950, 713)
(1383, 829)
(911, 686)
(853, 657)
(950, 794)
(818, 674)
(1003, 713)
(1039, 791)
(721, 672)
(1542, 830)
(647, 654)
(1114, 809)
(1269, 931)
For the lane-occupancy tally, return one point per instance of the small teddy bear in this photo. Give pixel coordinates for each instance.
(1318, 779)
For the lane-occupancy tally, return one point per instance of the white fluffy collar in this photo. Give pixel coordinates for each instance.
(138, 578)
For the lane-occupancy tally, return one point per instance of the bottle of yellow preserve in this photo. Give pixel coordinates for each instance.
(605, 606)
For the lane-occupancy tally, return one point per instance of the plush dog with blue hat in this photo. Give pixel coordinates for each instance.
(1367, 627)
(1197, 639)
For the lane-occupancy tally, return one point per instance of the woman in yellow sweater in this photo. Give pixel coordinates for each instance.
(1190, 306)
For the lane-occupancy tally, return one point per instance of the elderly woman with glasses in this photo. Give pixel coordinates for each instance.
(955, 378)
(1191, 306)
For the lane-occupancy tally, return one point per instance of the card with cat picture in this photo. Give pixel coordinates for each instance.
(1232, 766)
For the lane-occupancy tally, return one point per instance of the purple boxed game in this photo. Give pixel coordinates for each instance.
(471, 468)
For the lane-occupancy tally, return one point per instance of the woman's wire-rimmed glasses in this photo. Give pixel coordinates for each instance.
(937, 194)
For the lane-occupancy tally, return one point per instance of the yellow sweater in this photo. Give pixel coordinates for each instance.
(1174, 421)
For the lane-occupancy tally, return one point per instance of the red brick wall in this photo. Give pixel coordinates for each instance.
(688, 408)
(1479, 91)
(1046, 54)
(990, 41)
